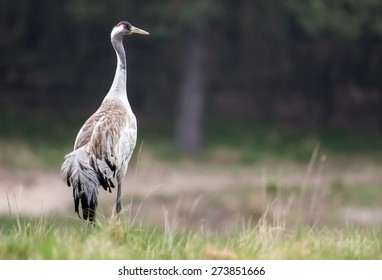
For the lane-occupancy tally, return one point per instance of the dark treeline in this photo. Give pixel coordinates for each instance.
(301, 64)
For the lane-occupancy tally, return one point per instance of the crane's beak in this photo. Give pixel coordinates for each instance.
(137, 30)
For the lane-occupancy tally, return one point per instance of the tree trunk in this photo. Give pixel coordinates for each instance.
(189, 132)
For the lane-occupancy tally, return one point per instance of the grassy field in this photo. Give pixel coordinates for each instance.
(305, 195)
(45, 238)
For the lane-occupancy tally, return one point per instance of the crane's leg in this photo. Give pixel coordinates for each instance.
(118, 205)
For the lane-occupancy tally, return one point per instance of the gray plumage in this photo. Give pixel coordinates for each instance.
(80, 174)
(106, 141)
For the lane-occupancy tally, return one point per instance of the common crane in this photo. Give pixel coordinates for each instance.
(106, 141)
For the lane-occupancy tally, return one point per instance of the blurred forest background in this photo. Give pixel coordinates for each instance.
(235, 82)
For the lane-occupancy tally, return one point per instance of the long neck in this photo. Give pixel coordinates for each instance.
(118, 89)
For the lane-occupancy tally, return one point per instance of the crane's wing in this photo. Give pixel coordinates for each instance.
(86, 131)
(104, 142)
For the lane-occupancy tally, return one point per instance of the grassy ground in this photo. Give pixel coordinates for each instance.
(46, 238)
(321, 190)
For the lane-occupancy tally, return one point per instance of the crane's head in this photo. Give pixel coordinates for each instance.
(125, 28)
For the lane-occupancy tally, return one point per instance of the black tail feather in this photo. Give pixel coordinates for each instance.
(85, 207)
(92, 210)
(76, 199)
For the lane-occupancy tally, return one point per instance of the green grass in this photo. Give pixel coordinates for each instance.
(45, 238)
